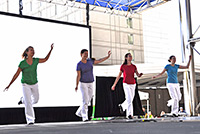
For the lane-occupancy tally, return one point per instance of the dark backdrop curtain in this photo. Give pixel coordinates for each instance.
(107, 101)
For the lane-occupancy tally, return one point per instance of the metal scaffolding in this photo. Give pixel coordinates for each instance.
(188, 44)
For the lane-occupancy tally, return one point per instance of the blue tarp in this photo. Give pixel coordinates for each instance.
(122, 5)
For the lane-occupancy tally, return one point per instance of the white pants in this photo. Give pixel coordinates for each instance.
(175, 94)
(87, 94)
(30, 97)
(129, 90)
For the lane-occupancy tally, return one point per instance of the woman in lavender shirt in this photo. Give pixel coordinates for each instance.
(85, 78)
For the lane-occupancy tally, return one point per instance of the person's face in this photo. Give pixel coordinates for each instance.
(129, 58)
(30, 52)
(173, 60)
(84, 55)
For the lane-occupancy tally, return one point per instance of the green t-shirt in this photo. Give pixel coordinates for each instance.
(29, 72)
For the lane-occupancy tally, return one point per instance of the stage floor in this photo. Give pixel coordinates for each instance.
(181, 125)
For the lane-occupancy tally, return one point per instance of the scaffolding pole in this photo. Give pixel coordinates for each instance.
(186, 81)
(189, 35)
(20, 7)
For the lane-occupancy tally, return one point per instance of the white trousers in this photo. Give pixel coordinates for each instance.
(129, 90)
(175, 94)
(87, 94)
(30, 97)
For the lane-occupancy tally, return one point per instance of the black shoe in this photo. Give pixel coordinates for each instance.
(31, 123)
(174, 115)
(20, 102)
(130, 117)
(120, 109)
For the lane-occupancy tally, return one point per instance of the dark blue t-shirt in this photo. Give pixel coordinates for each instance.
(86, 71)
(172, 73)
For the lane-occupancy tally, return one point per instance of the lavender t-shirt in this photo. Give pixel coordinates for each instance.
(86, 71)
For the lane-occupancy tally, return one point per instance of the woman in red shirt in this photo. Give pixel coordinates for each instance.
(129, 84)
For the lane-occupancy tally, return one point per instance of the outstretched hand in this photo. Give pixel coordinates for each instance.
(52, 45)
(6, 89)
(109, 53)
(190, 57)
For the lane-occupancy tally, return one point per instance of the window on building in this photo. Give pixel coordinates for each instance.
(56, 9)
(40, 4)
(130, 39)
(31, 6)
(129, 23)
(40, 13)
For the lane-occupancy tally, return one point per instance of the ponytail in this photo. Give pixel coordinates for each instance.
(24, 55)
(171, 58)
(125, 60)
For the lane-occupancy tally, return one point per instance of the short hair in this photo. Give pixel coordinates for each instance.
(83, 51)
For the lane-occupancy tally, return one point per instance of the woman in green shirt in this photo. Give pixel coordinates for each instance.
(29, 81)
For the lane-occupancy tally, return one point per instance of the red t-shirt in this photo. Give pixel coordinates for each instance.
(128, 73)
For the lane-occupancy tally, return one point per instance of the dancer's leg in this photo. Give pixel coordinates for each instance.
(174, 98)
(129, 99)
(29, 111)
(85, 98)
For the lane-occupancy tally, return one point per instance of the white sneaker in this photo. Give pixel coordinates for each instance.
(170, 102)
(78, 114)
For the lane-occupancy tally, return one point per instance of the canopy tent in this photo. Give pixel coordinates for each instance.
(132, 6)
(122, 5)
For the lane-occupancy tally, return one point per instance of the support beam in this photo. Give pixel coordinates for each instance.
(192, 40)
(195, 50)
(192, 68)
(148, 3)
(87, 14)
(186, 80)
(20, 7)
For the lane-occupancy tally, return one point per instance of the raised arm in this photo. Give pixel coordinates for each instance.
(13, 79)
(188, 64)
(78, 79)
(102, 59)
(116, 80)
(159, 74)
(48, 55)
